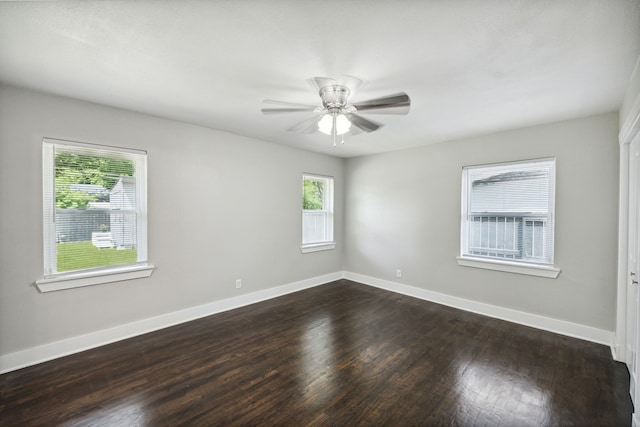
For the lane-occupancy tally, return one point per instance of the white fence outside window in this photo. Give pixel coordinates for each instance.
(509, 237)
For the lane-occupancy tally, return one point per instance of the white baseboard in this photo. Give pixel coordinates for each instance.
(32, 356)
(557, 326)
(615, 351)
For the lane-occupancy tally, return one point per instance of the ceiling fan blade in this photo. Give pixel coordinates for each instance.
(355, 130)
(362, 123)
(308, 126)
(287, 104)
(320, 82)
(353, 83)
(399, 103)
(286, 110)
(288, 107)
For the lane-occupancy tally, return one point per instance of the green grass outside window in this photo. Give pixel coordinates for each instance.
(83, 255)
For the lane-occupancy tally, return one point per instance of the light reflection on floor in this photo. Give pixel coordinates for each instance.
(130, 413)
(318, 349)
(500, 394)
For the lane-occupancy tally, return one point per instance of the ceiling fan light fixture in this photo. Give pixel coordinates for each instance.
(342, 124)
(328, 121)
(325, 125)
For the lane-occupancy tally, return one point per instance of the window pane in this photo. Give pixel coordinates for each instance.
(500, 189)
(510, 211)
(317, 209)
(314, 228)
(95, 207)
(89, 234)
(312, 194)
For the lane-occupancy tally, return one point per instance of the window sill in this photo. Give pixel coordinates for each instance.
(510, 267)
(316, 247)
(80, 279)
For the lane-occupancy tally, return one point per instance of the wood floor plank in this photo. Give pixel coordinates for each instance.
(338, 354)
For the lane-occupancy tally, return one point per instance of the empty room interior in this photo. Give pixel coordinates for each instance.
(320, 213)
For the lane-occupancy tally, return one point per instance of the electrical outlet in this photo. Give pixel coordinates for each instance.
(238, 283)
(398, 273)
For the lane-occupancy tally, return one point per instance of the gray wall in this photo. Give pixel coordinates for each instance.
(206, 190)
(403, 212)
(221, 207)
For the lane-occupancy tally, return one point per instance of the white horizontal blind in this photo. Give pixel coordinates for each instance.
(317, 209)
(508, 211)
(95, 207)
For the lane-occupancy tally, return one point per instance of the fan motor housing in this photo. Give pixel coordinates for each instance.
(334, 97)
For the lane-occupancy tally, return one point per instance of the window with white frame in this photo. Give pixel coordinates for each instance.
(95, 212)
(508, 212)
(317, 213)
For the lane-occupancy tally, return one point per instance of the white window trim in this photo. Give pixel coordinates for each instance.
(517, 267)
(75, 279)
(95, 277)
(328, 204)
(317, 247)
(509, 267)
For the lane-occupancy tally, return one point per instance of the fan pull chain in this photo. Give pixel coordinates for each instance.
(334, 130)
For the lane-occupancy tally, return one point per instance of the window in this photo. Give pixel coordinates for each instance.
(94, 214)
(507, 214)
(317, 213)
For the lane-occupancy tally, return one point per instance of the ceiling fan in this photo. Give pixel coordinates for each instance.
(336, 116)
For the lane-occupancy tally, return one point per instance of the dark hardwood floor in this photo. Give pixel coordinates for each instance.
(338, 354)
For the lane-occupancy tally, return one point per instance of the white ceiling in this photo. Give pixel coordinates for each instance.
(469, 66)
